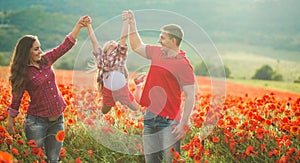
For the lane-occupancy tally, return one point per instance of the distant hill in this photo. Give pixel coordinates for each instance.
(269, 29)
(271, 23)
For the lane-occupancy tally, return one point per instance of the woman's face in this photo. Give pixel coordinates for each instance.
(35, 52)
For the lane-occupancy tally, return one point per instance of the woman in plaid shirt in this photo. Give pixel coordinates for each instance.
(31, 71)
(112, 72)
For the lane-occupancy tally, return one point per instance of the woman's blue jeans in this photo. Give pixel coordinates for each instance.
(43, 132)
(158, 139)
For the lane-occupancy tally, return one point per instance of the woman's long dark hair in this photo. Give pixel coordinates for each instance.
(19, 61)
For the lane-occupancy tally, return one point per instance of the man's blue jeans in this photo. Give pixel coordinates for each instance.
(43, 132)
(158, 139)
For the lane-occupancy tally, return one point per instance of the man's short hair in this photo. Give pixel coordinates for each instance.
(174, 31)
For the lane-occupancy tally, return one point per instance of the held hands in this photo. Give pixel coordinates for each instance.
(125, 16)
(84, 21)
(128, 16)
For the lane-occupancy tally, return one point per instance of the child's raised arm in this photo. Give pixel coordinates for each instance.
(124, 32)
(92, 36)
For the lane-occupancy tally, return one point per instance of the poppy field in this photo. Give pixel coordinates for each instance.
(251, 124)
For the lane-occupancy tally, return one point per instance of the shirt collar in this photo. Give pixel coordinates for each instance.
(180, 55)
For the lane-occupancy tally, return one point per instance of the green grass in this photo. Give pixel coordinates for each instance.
(244, 65)
(275, 85)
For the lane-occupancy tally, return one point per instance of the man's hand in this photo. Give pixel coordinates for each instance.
(131, 16)
(180, 131)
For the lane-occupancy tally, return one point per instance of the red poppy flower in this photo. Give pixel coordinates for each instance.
(6, 157)
(262, 147)
(294, 129)
(283, 159)
(287, 142)
(176, 156)
(260, 133)
(15, 152)
(90, 152)
(37, 151)
(60, 136)
(197, 158)
(2, 130)
(9, 140)
(26, 153)
(250, 150)
(275, 152)
(77, 160)
(216, 139)
(71, 122)
(32, 143)
(63, 152)
(172, 150)
(291, 151)
(120, 159)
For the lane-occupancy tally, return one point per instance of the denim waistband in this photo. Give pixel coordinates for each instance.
(46, 119)
(149, 115)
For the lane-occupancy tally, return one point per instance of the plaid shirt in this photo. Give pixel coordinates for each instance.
(45, 97)
(115, 61)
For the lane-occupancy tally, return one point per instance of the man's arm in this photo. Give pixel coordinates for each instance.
(135, 40)
(180, 129)
(189, 91)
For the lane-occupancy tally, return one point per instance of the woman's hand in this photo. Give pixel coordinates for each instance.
(10, 125)
(84, 21)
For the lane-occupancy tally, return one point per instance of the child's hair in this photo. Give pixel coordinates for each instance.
(105, 47)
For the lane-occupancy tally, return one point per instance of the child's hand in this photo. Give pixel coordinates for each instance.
(84, 21)
(125, 16)
(87, 20)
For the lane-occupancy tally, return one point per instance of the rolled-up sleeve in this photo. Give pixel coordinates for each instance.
(60, 50)
(72, 39)
(13, 109)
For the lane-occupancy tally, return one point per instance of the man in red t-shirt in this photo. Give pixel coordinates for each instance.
(169, 75)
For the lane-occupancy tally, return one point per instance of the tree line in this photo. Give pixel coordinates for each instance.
(265, 72)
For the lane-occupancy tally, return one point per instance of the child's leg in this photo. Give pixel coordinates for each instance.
(139, 80)
(137, 93)
(107, 100)
(112, 81)
(118, 85)
(106, 109)
(125, 97)
(134, 106)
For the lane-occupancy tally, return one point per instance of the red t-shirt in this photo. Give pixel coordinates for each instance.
(163, 87)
